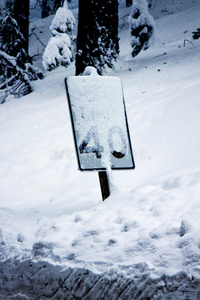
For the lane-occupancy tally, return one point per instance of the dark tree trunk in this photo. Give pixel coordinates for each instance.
(128, 3)
(97, 40)
(21, 15)
(57, 4)
(45, 9)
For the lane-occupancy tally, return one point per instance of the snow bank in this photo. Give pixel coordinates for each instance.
(148, 230)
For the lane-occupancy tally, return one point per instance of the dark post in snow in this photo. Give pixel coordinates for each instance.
(104, 184)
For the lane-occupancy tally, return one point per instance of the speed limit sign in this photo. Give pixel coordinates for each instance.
(99, 122)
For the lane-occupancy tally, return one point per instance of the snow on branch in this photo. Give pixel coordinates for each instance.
(15, 80)
(63, 22)
(10, 59)
(61, 46)
(58, 52)
(142, 26)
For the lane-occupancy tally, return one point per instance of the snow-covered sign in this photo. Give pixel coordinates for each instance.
(99, 122)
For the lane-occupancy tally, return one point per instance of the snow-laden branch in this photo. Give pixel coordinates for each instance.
(60, 48)
(11, 59)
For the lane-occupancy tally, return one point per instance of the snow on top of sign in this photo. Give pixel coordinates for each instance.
(99, 99)
(90, 71)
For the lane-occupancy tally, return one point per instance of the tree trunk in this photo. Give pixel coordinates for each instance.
(45, 9)
(128, 3)
(21, 15)
(57, 4)
(97, 40)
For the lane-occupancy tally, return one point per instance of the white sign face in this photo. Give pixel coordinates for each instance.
(99, 122)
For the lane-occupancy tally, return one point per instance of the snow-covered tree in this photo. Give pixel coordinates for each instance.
(61, 46)
(63, 22)
(142, 26)
(13, 80)
(15, 70)
(97, 40)
(11, 39)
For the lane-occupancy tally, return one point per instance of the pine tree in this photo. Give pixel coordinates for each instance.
(142, 26)
(12, 40)
(15, 71)
(60, 48)
(97, 40)
(45, 9)
(21, 15)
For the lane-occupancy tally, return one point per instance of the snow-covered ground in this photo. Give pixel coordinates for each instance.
(153, 213)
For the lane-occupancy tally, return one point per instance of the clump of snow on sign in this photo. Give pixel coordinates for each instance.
(142, 26)
(60, 48)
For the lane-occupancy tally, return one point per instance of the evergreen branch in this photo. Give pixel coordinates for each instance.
(21, 84)
(8, 58)
(32, 57)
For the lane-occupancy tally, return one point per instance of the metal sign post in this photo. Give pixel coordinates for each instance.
(99, 124)
(104, 184)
